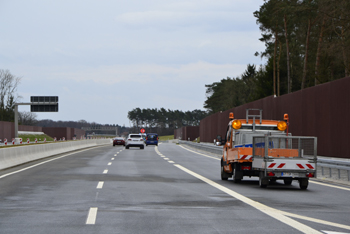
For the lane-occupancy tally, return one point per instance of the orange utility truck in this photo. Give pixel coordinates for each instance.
(264, 148)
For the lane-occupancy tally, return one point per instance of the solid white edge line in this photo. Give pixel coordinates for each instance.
(329, 185)
(91, 219)
(50, 160)
(316, 220)
(287, 213)
(277, 214)
(100, 185)
(199, 153)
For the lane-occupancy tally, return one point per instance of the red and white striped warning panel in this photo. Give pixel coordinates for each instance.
(291, 165)
(246, 157)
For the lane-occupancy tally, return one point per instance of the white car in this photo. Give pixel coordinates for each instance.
(134, 140)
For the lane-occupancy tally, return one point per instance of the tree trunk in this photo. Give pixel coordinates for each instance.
(278, 69)
(345, 56)
(274, 66)
(288, 63)
(318, 54)
(306, 55)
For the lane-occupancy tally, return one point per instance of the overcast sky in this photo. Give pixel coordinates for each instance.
(104, 58)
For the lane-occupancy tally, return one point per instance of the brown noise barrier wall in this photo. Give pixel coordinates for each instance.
(322, 111)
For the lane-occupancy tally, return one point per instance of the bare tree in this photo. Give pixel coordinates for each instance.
(8, 96)
(27, 118)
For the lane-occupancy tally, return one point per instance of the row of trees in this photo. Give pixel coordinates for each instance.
(306, 44)
(8, 96)
(164, 121)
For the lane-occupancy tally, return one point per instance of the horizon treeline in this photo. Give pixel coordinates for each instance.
(164, 121)
(306, 44)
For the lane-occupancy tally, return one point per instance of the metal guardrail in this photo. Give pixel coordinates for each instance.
(327, 168)
(206, 147)
(335, 169)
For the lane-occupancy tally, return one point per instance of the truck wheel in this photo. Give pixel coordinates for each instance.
(263, 181)
(287, 182)
(126, 147)
(224, 175)
(236, 175)
(303, 183)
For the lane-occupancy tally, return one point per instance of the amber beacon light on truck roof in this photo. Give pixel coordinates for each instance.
(281, 125)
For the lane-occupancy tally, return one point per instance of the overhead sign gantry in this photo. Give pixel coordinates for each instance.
(38, 104)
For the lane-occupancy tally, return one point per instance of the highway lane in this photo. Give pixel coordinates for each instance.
(165, 189)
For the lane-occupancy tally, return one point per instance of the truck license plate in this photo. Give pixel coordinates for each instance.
(286, 174)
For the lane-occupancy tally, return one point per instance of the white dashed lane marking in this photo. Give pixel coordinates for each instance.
(100, 185)
(105, 171)
(91, 219)
(109, 163)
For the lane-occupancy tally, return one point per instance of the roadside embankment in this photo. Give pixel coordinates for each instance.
(14, 156)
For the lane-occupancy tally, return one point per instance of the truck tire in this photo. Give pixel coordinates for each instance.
(263, 181)
(303, 183)
(236, 174)
(224, 175)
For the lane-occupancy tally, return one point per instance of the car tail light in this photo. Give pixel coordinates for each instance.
(246, 168)
(129, 139)
(310, 175)
(270, 174)
(141, 139)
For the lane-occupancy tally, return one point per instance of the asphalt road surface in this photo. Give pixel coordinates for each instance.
(164, 189)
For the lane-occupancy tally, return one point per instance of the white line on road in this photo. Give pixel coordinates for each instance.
(199, 153)
(329, 185)
(109, 163)
(91, 219)
(112, 158)
(100, 185)
(165, 158)
(274, 213)
(105, 171)
(279, 211)
(171, 162)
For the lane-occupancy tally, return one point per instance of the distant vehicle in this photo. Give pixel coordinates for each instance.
(118, 141)
(134, 140)
(152, 139)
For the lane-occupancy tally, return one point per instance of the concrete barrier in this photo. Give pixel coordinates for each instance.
(14, 156)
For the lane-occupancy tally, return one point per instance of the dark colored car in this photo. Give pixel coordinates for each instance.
(118, 141)
(152, 139)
